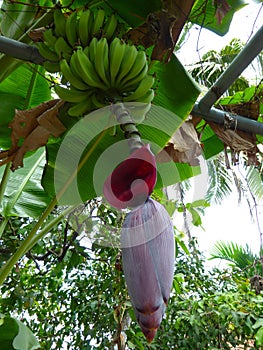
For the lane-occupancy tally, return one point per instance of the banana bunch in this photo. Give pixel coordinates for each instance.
(76, 29)
(105, 73)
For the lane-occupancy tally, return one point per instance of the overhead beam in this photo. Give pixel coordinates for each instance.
(229, 120)
(20, 50)
(233, 71)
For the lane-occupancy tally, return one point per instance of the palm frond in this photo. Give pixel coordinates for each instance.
(220, 181)
(254, 182)
(240, 256)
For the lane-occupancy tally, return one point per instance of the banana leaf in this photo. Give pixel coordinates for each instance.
(24, 195)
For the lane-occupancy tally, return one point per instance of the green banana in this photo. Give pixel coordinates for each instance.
(71, 77)
(92, 48)
(132, 84)
(46, 52)
(86, 51)
(87, 71)
(147, 98)
(80, 108)
(52, 67)
(127, 63)
(102, 60)
(72, 28)
(141, 89)
(84, 27)
(62, 48)
(110, 27)
(98, 22)
(117, 50)
(60, 23)
(74, 66)
(71, 95)
(49, 37)
(140, 67)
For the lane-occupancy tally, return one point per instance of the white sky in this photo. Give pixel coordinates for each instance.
(228, 221)
(245, 23)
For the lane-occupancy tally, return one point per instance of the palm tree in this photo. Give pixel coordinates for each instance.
(214, 63)
(242, 258)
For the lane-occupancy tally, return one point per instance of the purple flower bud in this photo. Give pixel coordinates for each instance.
(147, 241)
(132, 181)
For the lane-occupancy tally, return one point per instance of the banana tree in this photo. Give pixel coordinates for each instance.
(96, 55)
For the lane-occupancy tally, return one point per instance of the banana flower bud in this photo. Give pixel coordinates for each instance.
(147, 242)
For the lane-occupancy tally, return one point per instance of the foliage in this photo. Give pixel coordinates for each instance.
(52, 289)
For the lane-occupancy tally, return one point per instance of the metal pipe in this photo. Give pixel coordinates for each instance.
(20, 50)
(242, 60)
(232, 121)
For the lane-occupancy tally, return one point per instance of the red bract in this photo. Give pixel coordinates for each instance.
(132, 181)
(147, 241)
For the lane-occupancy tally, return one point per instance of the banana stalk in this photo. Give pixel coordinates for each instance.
(128, 126)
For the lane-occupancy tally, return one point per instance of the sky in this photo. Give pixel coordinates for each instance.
(245, 23)
(228, 221)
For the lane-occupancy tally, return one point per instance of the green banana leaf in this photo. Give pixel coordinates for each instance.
(17, 18)
(135, 12)
(15, 335)
(212, 145)
(172, 104)
(203, 14)
(26, 87)
(176, 89)
(24, 195)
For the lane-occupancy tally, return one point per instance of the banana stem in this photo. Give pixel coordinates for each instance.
(50, 225)
(3, 185)
(4, 181)
(128, 126)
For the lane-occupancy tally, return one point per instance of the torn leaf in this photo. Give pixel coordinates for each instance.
(183, 147)
(31, 129)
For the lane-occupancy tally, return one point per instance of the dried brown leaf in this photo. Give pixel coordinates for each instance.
(37, 138)
(183, 147)
(32, 127)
